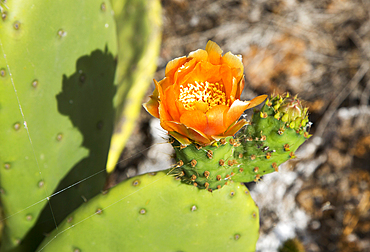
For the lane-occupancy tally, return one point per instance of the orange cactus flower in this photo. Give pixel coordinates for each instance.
(198, 100)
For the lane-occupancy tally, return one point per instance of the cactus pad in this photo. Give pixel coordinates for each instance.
(139, 37)
(43, 132)
(157, 213)
(271, 138)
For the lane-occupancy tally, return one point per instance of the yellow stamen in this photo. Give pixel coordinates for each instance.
(202, 96)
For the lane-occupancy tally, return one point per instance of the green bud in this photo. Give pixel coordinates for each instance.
(293, 108)
(285, 118)
(298, 121)
(277, 115)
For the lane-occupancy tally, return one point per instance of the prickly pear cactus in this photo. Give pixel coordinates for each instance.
(199, 204)
(271, 138)
(155, 212)
(174, 213)
(56, 107)
(139, 28)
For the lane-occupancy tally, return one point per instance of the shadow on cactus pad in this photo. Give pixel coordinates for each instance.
(87, 99)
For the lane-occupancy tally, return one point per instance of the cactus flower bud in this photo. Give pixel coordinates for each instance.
(291, 107)
(289, 110)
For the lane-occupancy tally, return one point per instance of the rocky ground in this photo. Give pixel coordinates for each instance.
(317, 49)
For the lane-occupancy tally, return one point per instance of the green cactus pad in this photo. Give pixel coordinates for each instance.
(139, 38)
(267, 142)
(56, 106)
(157, 213)
(207, 167)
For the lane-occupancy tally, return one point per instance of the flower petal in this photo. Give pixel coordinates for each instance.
(164, 125)
(227, 79)
(183, 71)
(182, 139)
(190, 133)
(194, 119)
(257, 101)
(235, 128)
(180, 106)
(234, 89)
(162, 109)
(199, 55)
(231, 130)
(204, 71)
(240, 88)
(235, 111)
(198, 136)
(160, 86)
(164, 117)
(152, 105)
(214, 52)
(233, 61)
(215, 118)
(172, 67)
(170, 103)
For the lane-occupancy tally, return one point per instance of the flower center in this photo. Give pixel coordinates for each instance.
(202, 96)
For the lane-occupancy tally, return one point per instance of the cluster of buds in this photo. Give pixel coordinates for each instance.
(290, 111)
